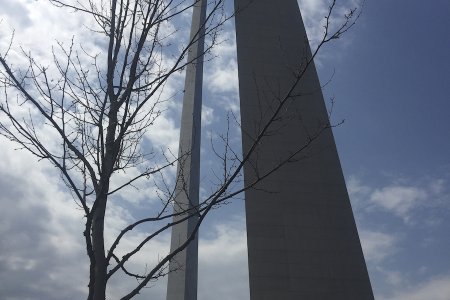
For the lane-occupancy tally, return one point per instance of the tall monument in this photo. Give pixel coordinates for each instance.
(301, 233)
(302, 237)
(182, 279)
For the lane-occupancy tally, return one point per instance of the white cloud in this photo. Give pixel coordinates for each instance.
(223, 269)
(314, 12)
(221, 72)
(437, 186)
(394, 278)
(403, 198)
(141, 263)
(434, 289)
(400, 200)
(164, 133)
(377, 245)
(355, 186)
(208, 116)
(358, 193)
(42, 247)
(224, 78)
(16, 8)
(388, 244)
(42, 29)
(41, 232)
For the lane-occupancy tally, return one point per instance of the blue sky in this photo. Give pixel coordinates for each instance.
(391, 85)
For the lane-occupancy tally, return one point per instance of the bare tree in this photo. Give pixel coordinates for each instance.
(100, 106)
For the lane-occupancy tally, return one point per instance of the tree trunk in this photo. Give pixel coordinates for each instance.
(98, 220)
(98, 244)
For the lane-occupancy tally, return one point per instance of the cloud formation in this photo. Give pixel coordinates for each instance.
(377, 245)
(42, 230)
(400, 200)
(395, 221)
(435, 289)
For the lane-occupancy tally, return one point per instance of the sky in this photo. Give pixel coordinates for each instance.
(389, 76)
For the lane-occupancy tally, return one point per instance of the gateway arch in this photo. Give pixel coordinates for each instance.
(301, 233)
